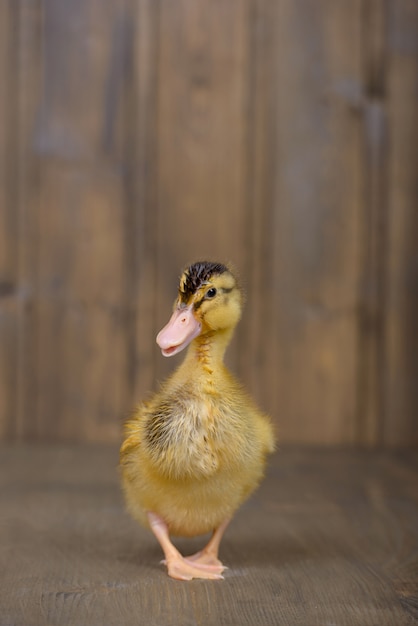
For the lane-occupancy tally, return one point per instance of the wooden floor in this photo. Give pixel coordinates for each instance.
(331, 538)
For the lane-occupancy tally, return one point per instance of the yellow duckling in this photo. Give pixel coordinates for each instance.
(196, 450)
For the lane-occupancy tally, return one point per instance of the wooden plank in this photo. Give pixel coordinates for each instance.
(8, 220)
(28, 85)
(311, 334)
(81, 308)
(375, 236)
(8, 95)
(83, 283)
(401, 362)
(141, 197)
(323, 548)
(259, 316)
(202, 127)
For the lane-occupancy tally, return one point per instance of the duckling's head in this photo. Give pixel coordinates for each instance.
(209, 300)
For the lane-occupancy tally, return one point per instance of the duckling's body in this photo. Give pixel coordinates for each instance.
(197, 449)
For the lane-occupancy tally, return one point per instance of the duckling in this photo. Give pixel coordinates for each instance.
(196, 449)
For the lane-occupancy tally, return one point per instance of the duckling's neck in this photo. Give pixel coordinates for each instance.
(207, 350)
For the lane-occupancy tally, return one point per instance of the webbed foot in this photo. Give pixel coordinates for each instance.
(206, 559)
(182, 569)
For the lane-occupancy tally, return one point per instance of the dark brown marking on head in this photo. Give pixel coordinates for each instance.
(196, 275)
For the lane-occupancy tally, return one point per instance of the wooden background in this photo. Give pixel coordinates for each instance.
(139, 135)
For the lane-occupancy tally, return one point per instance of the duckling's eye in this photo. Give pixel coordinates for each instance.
(211, 293)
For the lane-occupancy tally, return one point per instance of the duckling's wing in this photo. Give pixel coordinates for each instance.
(132, 440)
(129, 445)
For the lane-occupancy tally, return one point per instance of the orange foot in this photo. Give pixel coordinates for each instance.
(204, 559)
(183, 569)
(204, 564)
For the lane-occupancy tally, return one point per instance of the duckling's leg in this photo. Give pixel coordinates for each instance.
(209, 554)
(177, 566)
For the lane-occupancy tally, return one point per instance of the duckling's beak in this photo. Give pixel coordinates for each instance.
(182, 328)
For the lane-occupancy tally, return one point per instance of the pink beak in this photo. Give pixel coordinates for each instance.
(179, 332)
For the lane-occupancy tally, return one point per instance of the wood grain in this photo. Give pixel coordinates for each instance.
(142, 162)
(139, 135)
(25, 180)
(8, 222)
(315, 225)
(372, 107)
(21, 47)
(83, 368)
(260, 316)
(401, 365)
(331, 537)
